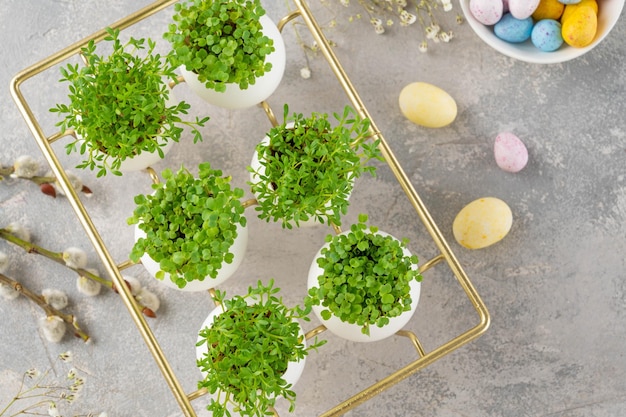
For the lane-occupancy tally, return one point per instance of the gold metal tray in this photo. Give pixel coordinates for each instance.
(423, 358)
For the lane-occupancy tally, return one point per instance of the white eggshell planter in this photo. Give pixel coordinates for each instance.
(294, 369)
(238, 249)
(351, 331)
(145, 159)
(258, 168)
(264, 86)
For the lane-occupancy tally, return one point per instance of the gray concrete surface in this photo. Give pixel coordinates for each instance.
(554, 286)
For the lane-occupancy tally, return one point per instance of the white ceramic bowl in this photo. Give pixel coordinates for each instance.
(608, 14)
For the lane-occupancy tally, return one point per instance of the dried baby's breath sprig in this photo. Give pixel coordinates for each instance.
(42, 393)
(431, 16)
(71, 258)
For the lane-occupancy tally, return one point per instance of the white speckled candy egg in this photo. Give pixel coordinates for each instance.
(487, 12)
(510, 152)
(427, 105)
(522, 9)
(482, 223)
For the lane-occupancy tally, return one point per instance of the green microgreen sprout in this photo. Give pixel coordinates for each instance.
(118, 104)
(248, 349)
(221, 41)
(190, 224)
(366, 277)
(308, 167)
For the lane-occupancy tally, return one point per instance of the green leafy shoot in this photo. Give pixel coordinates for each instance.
(249, 347)
(309, 167)
(190, 224)
(366, 277)
(118, 104)
(221, 41)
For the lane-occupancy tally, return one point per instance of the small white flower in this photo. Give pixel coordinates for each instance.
(55, 298)
(459, 19)
(18, 231)
(87, 285)
(72, 373)
(4, 262)
(52, 410)
(8, 293)
(25, 167)
(423, 47)
(432, 31)
(447, 6)
(407, 18)
(148, 299)
(77, 385)
(33, 373)
(53, 328)
(135, 284)
(445, 36)
(66, 356)
(75, 258)
(305, 73)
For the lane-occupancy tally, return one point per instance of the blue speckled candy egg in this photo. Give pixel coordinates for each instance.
(513, 30)
(546, 35)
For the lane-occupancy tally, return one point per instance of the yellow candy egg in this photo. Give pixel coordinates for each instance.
(482, 223)
(548, 9)
(427, 105)
(579, 28)
(570, 8)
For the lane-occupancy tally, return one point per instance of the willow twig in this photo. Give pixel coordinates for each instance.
(58, 258)
(47, 308)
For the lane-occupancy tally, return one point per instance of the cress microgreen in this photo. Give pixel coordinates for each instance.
(118, 104)
(308, 167)
(248, 349)
(366, 277)
(190, 223)
(221, 41)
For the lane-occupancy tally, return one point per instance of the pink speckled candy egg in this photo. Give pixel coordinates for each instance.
(487, 12)
(522, 9)
(510, 152)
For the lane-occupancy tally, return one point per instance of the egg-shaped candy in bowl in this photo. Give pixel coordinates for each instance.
(608, 14)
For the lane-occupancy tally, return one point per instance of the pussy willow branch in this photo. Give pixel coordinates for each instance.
(58, 258)
(49, 310)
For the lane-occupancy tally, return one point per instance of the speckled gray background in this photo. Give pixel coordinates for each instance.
(555, 286)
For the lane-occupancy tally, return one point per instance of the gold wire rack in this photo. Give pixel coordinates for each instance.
(302, 10)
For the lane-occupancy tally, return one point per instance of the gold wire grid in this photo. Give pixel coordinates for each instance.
(303, 11)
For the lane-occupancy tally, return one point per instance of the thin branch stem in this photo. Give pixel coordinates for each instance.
(49, 310)
(58, 258)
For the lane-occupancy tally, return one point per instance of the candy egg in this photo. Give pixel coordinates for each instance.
(513, 30)
(427, 105)
(570, 8)
(546, 35)
(548, 9)
(487, 12)
(482, 223)
(579, 29)
(522, 9)
(510, 152)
